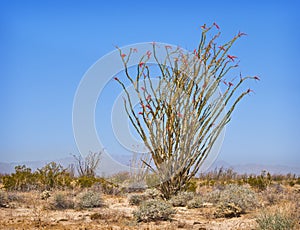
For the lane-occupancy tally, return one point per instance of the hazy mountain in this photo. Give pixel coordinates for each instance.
(121, 162)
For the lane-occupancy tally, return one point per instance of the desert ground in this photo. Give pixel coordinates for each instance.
(223, 204)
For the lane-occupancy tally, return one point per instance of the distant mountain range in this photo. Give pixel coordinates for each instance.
(7, 168)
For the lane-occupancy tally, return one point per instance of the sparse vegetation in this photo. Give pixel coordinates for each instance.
(196, 202)
(136, 199)
(90, 199)
(234, 195)
(181, 199)
(3, 199)
(221, 193)
(279, 220)
(62, 201)
(153, 210)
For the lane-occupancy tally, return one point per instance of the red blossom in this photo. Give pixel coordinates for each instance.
(117, 79)
(148, 54)
(230, 84)
(225, 82)
(141, 113)
(180, 115)
(143, 88)
(222, 48)
(134, 50)
(141, 64)
(216, 25)
(231, 57)
(203, 27)
(123, 55)
(148, 97)
(148, 106)
(168, 47)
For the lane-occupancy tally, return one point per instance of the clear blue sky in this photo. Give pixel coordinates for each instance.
(47, 46)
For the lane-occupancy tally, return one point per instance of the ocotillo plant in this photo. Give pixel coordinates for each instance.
(183, 114)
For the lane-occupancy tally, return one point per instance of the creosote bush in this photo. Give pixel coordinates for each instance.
(153, 210)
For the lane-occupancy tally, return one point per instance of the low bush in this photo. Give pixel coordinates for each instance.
(3, 199)
(196, 202)
(240, 196)
(136, 199)
(275, 221)
(62, 201)
(153, 210)
(90, 199)
(181, 199)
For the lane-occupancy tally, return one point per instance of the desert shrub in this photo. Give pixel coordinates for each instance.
(152, 193)
(260, 182)
(21, 180)
(53, 175)
(13, 196)
(85, 181)
(90, 199)
(240, 196)
(191, 186)
(3, 199)
(196, 202)
(181, 199)
(273, 194)
(62, 201)
(275, 221)
(136, 199)
(153, 210)
(227, 210)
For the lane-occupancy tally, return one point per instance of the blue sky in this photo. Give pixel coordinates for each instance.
(46, 47)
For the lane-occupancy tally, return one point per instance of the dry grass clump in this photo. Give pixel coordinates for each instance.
(278, 218)
(153, 210)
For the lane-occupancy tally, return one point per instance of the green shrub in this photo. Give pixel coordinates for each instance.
(62, 201)
(260, 182)
(21, 180)
(181, 199)
(240, 196)
(153, 210)
(53, 175)
(275, 221)
(90, 199)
